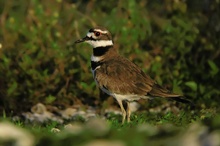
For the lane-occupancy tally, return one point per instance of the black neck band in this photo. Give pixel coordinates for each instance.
(99, 51)
(95, 64)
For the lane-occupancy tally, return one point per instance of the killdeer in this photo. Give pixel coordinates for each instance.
(119, 77)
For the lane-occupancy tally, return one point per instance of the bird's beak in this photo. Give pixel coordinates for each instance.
(82, 40)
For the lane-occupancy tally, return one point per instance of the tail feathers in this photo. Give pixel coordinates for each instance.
(159, 91)
(180, 99)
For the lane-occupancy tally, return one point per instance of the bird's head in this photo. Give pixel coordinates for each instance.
(97, 37)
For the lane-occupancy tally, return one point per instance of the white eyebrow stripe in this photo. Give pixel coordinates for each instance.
(101, 31)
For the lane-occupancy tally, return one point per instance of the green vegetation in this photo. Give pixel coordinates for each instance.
(176, 42)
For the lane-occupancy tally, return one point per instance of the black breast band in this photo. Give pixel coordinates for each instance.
(95, 64)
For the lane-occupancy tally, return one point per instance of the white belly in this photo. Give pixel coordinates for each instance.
(130, 97)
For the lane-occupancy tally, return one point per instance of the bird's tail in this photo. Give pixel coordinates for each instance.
(158, 91)
(180, 99)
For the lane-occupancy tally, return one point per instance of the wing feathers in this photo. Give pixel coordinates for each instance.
(119, 75)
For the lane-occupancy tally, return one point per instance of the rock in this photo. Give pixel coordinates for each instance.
(55, 130)
(18, 136)
(74, 128)
(90, 113)
(214, 138)
(165, 108)
(68, 113)
(116, 112)
(199, 135)
(97, 126)
(134, 106)
(40, 114)
(39, 108)
(148, 129)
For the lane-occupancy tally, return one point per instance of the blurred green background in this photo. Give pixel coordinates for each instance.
(177, 42)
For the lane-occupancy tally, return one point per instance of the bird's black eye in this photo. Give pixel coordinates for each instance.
(97, 33)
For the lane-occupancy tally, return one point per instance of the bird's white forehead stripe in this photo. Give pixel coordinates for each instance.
(89, 34)
(101, 31)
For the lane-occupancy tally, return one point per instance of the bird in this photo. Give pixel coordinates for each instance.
(119, 77)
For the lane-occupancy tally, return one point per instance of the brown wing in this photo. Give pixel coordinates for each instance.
(121, 76)
(160, 91)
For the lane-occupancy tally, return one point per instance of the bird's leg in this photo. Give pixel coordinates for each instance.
(122, 110)
(128, 112)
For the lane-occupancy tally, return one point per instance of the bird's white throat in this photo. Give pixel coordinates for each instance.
(100, 43)
(96, 58)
